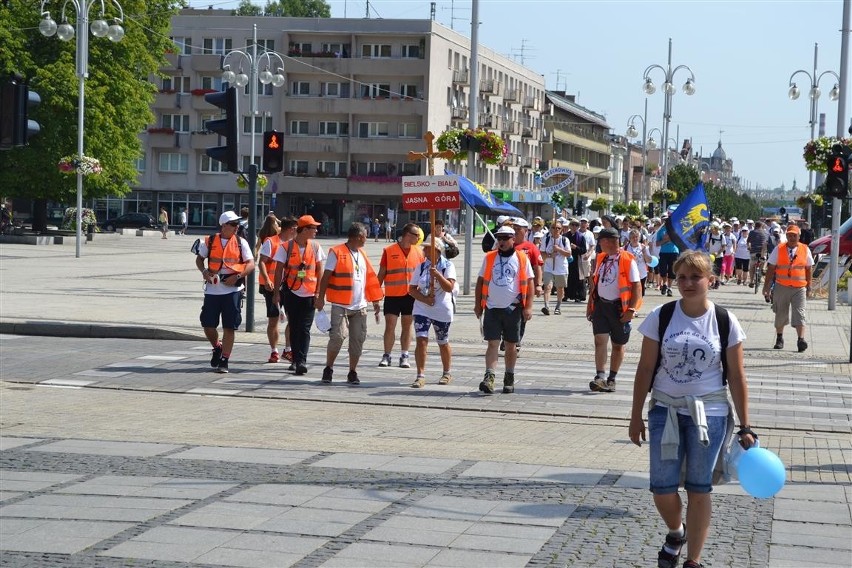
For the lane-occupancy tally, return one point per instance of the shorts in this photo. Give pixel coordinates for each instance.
(786, 297)
(398, 305)
(502, 323)
(605, 321)
(666, 265)
(741, 263)
(558, 280)
(228, 306)
(700, 460)
(442, 329)
(272, 311)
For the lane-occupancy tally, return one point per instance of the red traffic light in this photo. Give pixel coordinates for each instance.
(272, 143)
(839, 165)
(273, 151)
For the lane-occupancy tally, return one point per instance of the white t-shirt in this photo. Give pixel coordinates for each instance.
(773, 257)
(221, 289)
(691, 354)
(505, 286)
(183, 217)
(716, 243)
(741, 248)
(608, 288)
(442, 310)
(653, 248)
(639, 256)
(590, 243)
(557, 264)
(281, 256)
(729, 243)
(359, 278)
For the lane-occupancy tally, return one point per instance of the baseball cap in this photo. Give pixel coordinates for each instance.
(439, 244)
(749, 222)
(227, 217)
(307, 221)
(505, 231)
(502, 219)
(794, 229)
(734, 219)
(597, 229)
(538, 235)
(609, 233)
(776, 230)
(520, 222)
(583, 220)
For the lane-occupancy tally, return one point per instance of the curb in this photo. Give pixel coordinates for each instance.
(95, 330)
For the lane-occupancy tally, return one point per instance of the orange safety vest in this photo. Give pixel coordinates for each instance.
(297, 263)
(275, 241)
(624, 284)
(792, 274)
(399, 268)
(341, 281)
(229, 257)
(523, 277)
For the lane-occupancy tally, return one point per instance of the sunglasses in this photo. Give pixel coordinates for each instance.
(414, 233)
(504, 238)
(233, 223)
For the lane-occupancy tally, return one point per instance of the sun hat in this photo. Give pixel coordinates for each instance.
(227, 217)
(520, 222)
(502, 219)
(505, 231)
(439, 244)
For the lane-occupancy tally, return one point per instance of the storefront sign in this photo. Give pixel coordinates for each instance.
(568, 173)
(430, 192)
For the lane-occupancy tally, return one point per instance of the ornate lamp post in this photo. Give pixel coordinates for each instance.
(668, 90)
(65, 32)
(633, 133)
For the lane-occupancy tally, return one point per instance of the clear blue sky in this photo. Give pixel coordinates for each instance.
(742, 53)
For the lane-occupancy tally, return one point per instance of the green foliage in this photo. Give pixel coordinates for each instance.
(619, 208)
(682, 179)
(117, 103)
(291, 8)
(633, 209)
(599, 204)
(657, 196)
(726, 203)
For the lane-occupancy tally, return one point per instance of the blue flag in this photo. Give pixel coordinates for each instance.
(687, 226)
(482, 200)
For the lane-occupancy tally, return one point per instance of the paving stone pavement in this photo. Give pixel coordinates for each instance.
(121, 448)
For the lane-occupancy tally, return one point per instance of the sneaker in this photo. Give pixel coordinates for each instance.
(301, 369)
(779, 343)
(445, 379)
(692, 564)
(292, 367)
(610, 385)
(508, 383)
(668, 292)
(545, 310)
(352, 378)
(419, 383)
(287, 355)
(386, 361)
(663, 290)
(223, 365)
(403, 362)
(598, 385)
(557, 312)
(801, 344)
(666, 559)
(487, 384)
(217, 356)
(273, 357)
(326, 375)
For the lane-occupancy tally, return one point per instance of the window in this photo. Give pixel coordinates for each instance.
(411, 51)
(409, 130)
(261, 124)
(372, 168)
(331, 89)
(140, 164)
(173, 163)
(211, 166)
(375, 50)
(409, 168)
(298, 167)
(300, 48)
(408, 90)
(212, 82)
(246, 163)
(372, 129)
(216, 45)
(184, 45)
(332, 168)
(202, 120)
(373, 90)
(300, 89)
(332, 48)
(263, 45)
(177, 84)
(299, 127)
(333, 128)
(177, 122)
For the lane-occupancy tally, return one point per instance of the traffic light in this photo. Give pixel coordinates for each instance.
(837, 175)
(229, 154)
(16, 100)
(580, 206)
(273, 151)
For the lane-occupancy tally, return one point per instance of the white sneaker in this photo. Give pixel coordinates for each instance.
(403, 362)
(385, 362)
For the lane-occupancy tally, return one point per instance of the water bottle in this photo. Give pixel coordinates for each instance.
(282, 315)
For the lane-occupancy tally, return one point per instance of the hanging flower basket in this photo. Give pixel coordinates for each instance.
(488, 146)
(817, 152)
(89, 220)
(262, 181)
(74, 163)
(814, 199)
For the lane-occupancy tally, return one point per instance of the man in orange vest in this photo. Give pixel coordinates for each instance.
(229, 260)
(398, 263)
(297, 273)
(615, 296)
(790, 266)
(504, 298)
(350, 284)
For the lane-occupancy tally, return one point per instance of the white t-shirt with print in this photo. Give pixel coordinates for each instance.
(741, 248)
(442, 310)
(691, 354)
(557, 264)
(221, 289)
(281, 257)
(505, 286)
(608, 288)
(359, 278)
(639, 257)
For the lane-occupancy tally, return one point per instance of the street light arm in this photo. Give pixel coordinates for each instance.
(808, 75)
(832, 73)
(675, 70)
(655, 66)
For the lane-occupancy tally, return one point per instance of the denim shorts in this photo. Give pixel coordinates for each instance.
(700, 460)
(228, 306)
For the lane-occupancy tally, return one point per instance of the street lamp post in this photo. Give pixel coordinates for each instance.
(668, 90)
(240, 79)
(65, 32)
(632, 133)
(814, 94)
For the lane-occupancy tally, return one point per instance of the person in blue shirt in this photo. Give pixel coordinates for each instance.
(668, 256)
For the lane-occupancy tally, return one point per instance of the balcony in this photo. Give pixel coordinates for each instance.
(531, 103)
(512, 96)
(533, 132)
(461, 77)
(511, 127)
(511, 160)
(206, 63)
(201, 140)
(174, 62)
(314, 185)
(322, 145)
(492, 121)
(527, 162)
(460, 113)
(166, 100)
(491, 87)
(163, 138)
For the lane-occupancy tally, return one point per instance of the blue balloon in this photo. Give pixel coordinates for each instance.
(761, 473)
(655, 260)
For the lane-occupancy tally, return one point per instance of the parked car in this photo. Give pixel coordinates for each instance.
(822, 245)
(130, 221)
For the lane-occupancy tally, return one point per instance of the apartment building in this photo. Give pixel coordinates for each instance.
(359, 95)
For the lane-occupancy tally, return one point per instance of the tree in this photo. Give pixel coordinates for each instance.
(682, 179)
(246, 8)
(633, 209)
(599, 204)
(619, 208)
(726, 203)
(286, 8)
(118, 102)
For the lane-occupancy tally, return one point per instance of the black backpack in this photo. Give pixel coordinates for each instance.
(722, 318)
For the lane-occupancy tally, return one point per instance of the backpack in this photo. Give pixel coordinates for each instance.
(722, 318)
(450, 250)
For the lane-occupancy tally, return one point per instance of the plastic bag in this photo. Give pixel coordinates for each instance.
(322, 321)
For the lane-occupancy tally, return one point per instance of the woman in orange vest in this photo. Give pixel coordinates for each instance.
(268, 240)
(350, 284)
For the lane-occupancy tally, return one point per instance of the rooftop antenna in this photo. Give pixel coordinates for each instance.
(453, 17)
(521, 54)
(432, 11)
(559, 81)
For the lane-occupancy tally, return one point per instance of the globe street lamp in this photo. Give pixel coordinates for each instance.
(668, 90)
(813, 94)
(65, 31)
(633, 133)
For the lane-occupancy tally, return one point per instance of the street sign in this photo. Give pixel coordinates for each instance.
(430, 192)
(566, 181)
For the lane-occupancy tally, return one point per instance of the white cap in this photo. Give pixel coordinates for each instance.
(776, 230)
(538, 235)
(227, 217)
(521, 222)
(562, 220)
(597, 229)
(502, 219)
(734, 219)
(583, 220)
(749, 222)
(505, 231)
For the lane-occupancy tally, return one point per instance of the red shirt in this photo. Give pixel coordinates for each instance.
(532, 252)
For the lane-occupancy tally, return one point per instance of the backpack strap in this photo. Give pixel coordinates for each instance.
(723, 319)
(665, 315)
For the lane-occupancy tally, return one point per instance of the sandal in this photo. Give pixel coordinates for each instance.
(419, 383)
(445, 379)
